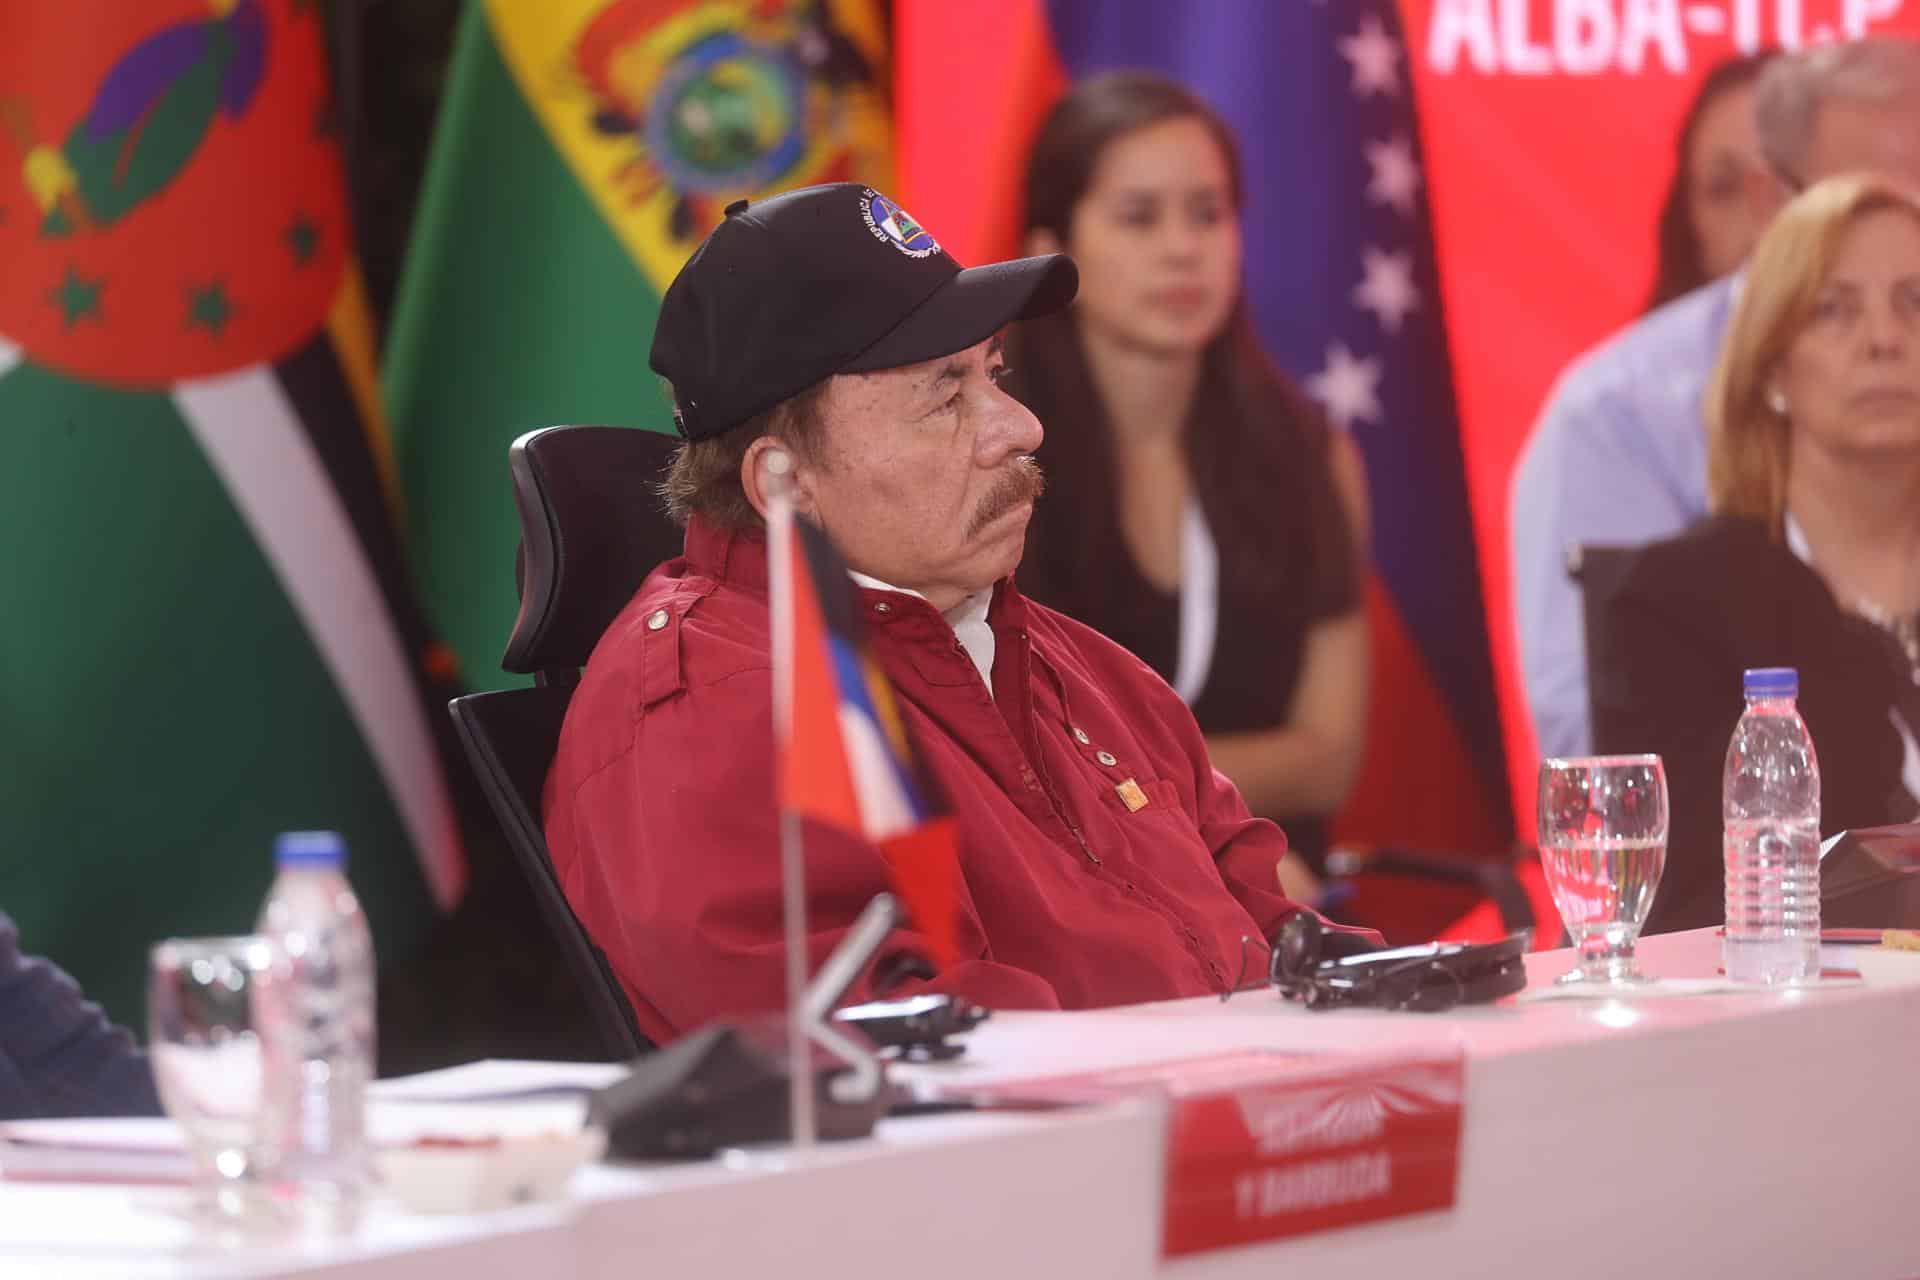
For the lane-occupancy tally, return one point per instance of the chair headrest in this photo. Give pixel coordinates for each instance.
(592, 527)
(1599, 568)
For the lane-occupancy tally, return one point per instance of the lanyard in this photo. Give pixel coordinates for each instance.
(1199, 602)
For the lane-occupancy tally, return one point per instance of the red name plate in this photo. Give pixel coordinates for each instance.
(1265, 1145)
(1286, 1153)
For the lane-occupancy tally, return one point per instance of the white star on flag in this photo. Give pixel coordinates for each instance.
(1373, 54)
(1387, 287)
(1348, 387)
(1396, 177)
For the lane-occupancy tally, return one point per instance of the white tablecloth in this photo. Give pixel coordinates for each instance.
(1753, 1134)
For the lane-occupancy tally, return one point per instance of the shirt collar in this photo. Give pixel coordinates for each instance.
(968, 620)
(874, 584)
(971, 609)
(739, 556)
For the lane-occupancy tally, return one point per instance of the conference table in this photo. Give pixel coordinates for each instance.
(1751, 1133)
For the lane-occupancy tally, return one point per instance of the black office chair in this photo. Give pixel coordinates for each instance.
(1413, 895)
(1515, 885)
(591, 530)
(1600, 572)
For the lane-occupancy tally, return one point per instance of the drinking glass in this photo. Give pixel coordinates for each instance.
(206, 1061)
(1603, 842)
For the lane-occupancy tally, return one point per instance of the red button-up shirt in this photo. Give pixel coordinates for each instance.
(661, 821)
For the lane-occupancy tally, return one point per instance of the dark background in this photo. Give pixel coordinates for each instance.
(389, 61)
(490, 982)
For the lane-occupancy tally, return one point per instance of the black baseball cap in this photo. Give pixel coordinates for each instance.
(832, 279)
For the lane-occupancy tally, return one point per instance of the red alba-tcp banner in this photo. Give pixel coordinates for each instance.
(1548, 128)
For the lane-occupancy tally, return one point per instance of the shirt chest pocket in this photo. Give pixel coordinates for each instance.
(1115, 769)
(1130, 816)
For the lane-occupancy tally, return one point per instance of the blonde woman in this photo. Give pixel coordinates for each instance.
(1811, 558)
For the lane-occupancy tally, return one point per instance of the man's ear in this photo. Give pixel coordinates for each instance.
(1040, 240)
(770, 462)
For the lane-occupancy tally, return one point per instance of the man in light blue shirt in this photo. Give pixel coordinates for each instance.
(1619, 455)
(1618, 458)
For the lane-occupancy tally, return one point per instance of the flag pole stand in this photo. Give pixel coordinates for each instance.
(793, 891)
(793, 868)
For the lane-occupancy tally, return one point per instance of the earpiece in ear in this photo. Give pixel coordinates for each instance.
(1777, 401)
(776, 472)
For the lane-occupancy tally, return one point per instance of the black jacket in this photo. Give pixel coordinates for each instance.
(59, 1056)
(1667, 648)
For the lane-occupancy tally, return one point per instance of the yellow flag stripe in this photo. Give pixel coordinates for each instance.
(538, 43)
(350, 325)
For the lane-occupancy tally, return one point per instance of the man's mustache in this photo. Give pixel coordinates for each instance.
(1024, 482)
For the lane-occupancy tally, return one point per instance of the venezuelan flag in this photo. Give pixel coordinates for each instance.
(1342, 282)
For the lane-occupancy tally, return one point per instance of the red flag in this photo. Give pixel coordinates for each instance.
(844, 758)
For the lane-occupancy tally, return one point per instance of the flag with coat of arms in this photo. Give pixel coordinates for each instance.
(584, 149)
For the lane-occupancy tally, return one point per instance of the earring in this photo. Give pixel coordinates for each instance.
(1777, 401)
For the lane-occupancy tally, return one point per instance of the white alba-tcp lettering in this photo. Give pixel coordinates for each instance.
(1594, 37)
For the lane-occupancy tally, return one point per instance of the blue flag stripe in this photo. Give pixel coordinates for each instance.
(1341, 277)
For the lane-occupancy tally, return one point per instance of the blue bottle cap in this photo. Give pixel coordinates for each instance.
(310, 849)
(1771, 682)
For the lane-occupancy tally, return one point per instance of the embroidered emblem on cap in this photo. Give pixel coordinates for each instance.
(894, 225)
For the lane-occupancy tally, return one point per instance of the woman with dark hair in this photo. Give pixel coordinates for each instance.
(1199, 510)
(1710, 220)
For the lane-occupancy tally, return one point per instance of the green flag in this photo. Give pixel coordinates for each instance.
(210, 636)
(584, 148)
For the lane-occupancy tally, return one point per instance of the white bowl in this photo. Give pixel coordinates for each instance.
(465, 1175)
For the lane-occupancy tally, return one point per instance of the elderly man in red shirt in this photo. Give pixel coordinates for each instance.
(1104, 860)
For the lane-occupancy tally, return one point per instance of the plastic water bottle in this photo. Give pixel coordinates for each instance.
(315, 1020)
(1771, 803)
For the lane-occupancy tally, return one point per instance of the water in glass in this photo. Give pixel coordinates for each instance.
(201, 995)
(1603, 844)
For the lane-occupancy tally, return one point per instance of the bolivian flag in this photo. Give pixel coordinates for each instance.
(585, 147)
